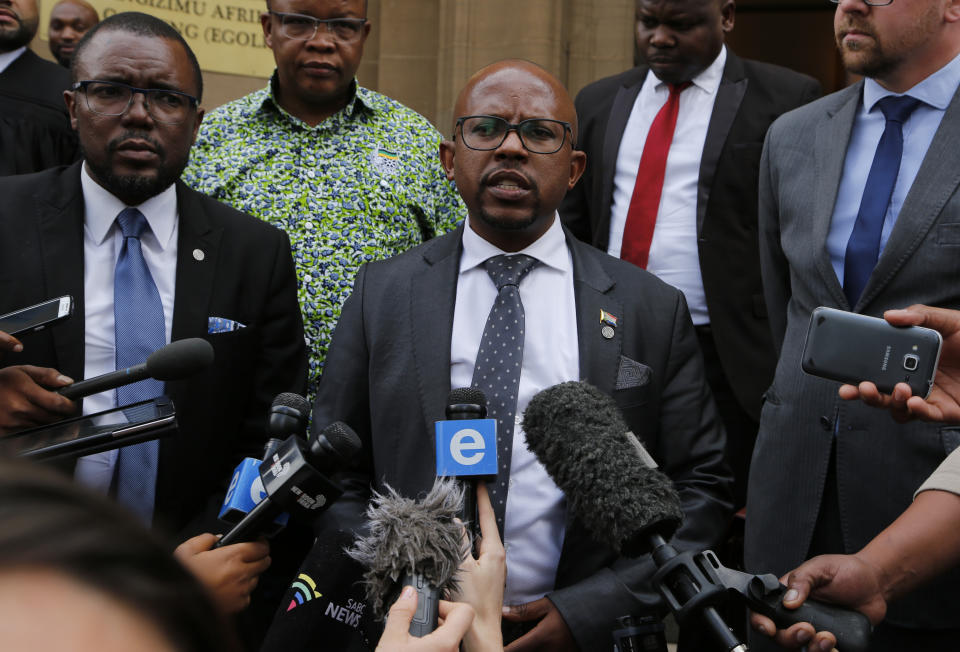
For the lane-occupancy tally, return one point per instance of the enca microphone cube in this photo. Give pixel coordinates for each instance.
(246, 490)
(466, 448)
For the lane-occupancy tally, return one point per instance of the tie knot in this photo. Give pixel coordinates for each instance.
(509, 270)
(898, 108)
(676, 89)
(132, 223)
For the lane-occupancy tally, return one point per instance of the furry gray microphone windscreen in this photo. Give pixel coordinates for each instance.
(579, 435)
(416, 542)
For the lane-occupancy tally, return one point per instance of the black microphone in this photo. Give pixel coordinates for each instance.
(293, 478)
(465, 403)
(610, 481)
(174, 361)
(415, 543)
(612, 486)
(289, 414)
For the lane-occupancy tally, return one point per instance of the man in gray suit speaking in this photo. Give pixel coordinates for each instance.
(859, 210)
(428, 320)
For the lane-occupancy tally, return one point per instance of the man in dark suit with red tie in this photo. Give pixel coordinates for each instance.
(673, 148)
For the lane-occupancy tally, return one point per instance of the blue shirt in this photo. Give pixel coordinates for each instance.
(936, 91)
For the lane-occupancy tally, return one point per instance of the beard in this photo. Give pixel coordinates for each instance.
(134, 189)
(12, 38)
(508, 224)
(881, 57)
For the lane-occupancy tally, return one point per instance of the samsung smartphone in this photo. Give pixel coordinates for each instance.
(851, 348)
(94, 433)
(36, 317)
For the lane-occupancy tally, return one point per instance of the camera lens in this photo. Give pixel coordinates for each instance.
(911, 362)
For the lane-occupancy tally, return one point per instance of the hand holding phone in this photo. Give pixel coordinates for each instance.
(851, 348)
(943, 403)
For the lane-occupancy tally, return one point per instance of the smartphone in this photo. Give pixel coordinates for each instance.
(851, 348)
(37, 317)
(94, 433)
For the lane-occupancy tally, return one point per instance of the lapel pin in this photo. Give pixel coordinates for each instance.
(198, 254)
(608, 324)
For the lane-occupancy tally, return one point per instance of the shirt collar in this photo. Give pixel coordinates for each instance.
(6, 58)
(356, 105)
(709, 78)
(550, 248)
(101, 209)
(937, 90)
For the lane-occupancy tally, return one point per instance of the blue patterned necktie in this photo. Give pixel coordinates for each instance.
(863, 248)
(139, 331)
(499, 359)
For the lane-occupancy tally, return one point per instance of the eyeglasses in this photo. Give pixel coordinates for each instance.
(537, 135)
(872, 3)
(114, 98)
(303, 28)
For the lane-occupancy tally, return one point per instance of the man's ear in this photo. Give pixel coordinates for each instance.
(70, 98)
(578, 163)
(267, 26)
(447, 148)
(951, 12)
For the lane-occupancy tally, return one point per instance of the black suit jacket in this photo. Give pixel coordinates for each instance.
(388, 376)
(751, 96)
(35, 131)
(246, 274)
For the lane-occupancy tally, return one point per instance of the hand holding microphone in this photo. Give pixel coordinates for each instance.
(230, 574)
(481, 580)
(412, 543)
(613, 488)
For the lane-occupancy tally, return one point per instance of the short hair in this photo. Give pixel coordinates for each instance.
(366, 4)
(142, 24)
(49, 522)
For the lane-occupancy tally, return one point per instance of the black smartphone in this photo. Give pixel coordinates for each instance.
(94, 433)
(37, 317)
(851, 348)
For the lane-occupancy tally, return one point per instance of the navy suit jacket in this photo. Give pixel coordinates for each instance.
(245, 273)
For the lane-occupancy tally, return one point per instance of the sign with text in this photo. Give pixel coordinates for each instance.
(225, 35)
(466, 447)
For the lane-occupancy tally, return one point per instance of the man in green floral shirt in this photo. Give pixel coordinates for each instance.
(349, 174)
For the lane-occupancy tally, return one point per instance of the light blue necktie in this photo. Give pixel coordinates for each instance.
(863, 247)
(139, 331)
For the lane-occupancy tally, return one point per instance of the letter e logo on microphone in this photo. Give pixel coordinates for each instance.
(466, 447)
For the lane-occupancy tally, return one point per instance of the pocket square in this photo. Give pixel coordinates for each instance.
(632, 374)
(222, 325)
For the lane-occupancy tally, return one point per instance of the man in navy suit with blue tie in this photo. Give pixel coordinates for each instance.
(148, 261)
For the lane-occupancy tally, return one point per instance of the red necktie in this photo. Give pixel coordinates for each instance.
(645, 202)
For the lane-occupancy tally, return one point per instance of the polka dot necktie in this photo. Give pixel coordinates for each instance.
(499, 359)
(139, 331)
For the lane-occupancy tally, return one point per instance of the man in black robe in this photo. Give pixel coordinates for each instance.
(35, 131)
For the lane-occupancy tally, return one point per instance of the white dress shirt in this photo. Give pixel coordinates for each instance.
(674, 255)
(102, 241)
(6, 58)
(535, 513)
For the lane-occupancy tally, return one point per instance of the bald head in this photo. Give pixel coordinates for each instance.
(69, 21)
(524, 79)
(512, 155)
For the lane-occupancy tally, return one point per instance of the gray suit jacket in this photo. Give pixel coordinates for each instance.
(388, 376)
(879, 463)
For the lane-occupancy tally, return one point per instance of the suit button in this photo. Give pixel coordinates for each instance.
(826, 423)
